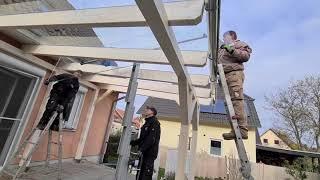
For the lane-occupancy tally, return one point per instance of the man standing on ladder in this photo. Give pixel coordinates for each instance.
(148, 143)
(62, 93)
(233, 53)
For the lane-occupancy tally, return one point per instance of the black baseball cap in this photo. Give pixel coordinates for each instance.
(153, 109)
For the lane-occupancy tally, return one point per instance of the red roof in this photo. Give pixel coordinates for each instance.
(119, 114)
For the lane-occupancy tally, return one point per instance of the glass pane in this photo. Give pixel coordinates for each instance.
(8, 129)
(16, 104)
(215, 148)
(15, 93)
(7, 81)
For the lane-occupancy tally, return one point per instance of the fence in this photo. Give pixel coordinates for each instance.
(228, 168)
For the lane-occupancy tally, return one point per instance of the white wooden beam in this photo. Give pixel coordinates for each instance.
(104, 95)
(179, 14)
(191, 58)
(157, 19)
(145, 74)
(85, 132)
(157, 94)
(145, 84)
(182, 151)
(9, 49)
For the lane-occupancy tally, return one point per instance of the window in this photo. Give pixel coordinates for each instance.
(74, 114)
(215, 147)
(17, 90)
(265, 141)
(276, 142)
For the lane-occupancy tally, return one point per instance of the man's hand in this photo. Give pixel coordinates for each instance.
(46, 82)
(228, 48)
(139, 153)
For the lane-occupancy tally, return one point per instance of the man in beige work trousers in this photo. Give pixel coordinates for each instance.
(233, 54)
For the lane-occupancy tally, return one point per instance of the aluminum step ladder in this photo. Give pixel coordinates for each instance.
(245, 163)
(24, 152)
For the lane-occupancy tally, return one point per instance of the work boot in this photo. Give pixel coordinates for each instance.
(231, 135)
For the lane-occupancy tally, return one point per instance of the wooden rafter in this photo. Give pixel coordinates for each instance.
(191, 58)
(179, 14)
(144, 74)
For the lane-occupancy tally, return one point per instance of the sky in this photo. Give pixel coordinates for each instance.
(284, 36)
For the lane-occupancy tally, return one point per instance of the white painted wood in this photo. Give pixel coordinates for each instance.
(145, 84)
(191, 58)
(193, 154)
(9, 49)
(194, 141)
(145, 74)
(182, 151)
(143, 92)
(163, 95)
(104, 95)
(179, 14)
(85, 132)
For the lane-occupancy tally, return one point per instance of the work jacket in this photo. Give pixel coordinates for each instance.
(234, 61)
(149, 138)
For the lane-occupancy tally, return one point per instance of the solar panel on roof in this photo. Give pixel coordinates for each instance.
(217, 108)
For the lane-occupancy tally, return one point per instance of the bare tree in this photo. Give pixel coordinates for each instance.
(312, 87)
(291, 108)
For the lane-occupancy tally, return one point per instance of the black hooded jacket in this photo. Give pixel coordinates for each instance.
(149, 138)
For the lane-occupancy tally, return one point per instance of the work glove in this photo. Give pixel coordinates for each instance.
(228, 48)
(139, 153)
(46, 82)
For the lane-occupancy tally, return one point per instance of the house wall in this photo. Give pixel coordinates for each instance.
(99, 125)
(171, 129)
(71, 138)
(271, 137)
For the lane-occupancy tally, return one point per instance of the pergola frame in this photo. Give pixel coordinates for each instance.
(188, 91)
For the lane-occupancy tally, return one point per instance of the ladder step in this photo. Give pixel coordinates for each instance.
(6, 172)
(53, 155)
(29, 142)
(53, 142)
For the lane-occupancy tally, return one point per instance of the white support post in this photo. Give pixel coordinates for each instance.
(182, 151)
(194, 141)
(85, 132)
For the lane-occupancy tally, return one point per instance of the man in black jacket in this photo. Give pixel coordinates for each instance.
(62, 93)
(148, 142)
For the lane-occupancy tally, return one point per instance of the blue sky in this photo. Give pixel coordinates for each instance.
(284, 36)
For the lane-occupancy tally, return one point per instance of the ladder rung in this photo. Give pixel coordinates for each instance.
(29, 142)
(7, 172)
(53, 142)
(53, 155)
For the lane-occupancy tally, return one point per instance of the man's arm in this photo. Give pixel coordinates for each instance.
(59, 77)
(150, 139)
(242, 53)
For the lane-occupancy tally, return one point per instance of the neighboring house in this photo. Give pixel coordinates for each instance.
(213, 122)
(273, 149)
(271, 138)
(23, 95)
(117, 121)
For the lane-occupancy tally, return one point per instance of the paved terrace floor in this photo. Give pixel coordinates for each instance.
(71, 171)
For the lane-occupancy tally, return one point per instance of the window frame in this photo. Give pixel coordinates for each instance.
(221, 148)
(276, 141)
(266, 141)
(73, 125)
